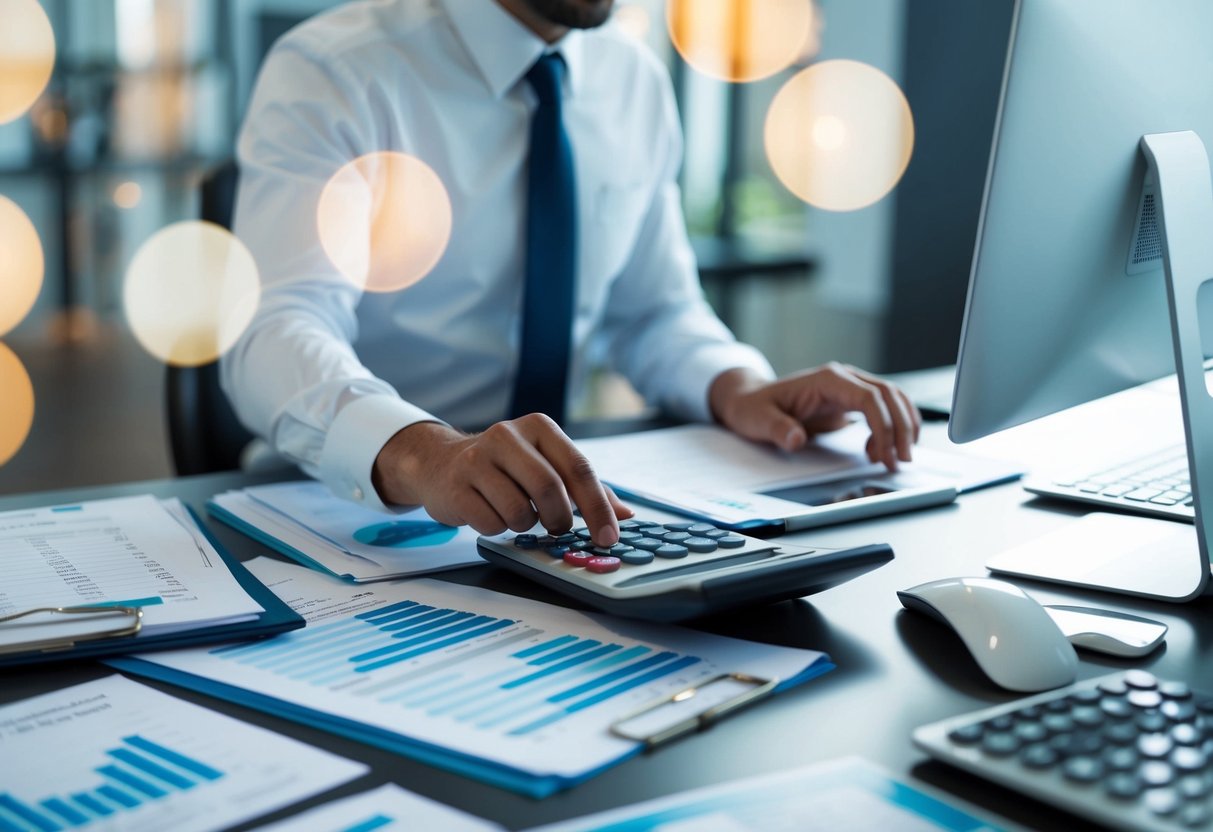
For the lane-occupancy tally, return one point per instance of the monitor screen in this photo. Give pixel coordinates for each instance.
(1067, 296)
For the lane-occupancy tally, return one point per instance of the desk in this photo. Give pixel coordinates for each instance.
(895, 670)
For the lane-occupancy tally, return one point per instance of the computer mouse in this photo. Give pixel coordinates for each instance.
(1010, 636)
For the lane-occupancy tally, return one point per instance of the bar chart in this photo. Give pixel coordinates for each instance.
(114, 755)
(492, 674)
(516, 691)
(139, 770)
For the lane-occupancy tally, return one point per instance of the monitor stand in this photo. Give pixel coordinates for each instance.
(1157, 559)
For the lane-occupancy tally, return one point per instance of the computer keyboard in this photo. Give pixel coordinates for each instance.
(1126, 750)
(1156, 484)
(671, 571)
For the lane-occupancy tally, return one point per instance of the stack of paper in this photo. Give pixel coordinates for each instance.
(306, 522)
(129, 551)
(516, 692)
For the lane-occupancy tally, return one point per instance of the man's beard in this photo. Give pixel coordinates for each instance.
(575, 14)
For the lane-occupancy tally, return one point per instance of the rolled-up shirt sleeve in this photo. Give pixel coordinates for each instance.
(293, 377)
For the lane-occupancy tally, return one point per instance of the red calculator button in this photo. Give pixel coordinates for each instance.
(602, 565)
(575, 558)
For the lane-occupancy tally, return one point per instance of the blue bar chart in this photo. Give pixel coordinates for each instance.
(115, 755)
(452, 664)
(139, 771)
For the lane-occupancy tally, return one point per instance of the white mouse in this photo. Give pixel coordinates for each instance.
(1010, 636)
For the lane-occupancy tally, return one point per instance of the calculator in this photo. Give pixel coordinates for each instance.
(1127, 750)
(672, 571)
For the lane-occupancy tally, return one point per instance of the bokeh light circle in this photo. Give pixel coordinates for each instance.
(839, 135)
(27, 56)
(384, 221)
(17, 413)
(191, 290)
(740, 40)
(21, 265)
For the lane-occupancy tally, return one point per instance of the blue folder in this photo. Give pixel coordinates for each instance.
(276, 618)
(493, 773)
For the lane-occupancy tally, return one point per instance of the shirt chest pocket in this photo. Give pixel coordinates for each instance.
(614, 215)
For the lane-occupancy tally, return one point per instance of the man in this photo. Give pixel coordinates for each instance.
(542, 127)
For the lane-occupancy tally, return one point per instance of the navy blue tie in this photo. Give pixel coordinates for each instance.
(551, 252)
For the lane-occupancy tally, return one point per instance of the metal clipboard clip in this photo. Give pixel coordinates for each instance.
(691, 709)
(75, 624)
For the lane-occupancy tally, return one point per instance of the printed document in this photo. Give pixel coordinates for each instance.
(116, 755)
(523, 684)
(127, 551)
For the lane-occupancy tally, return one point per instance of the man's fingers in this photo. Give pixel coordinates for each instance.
(854, 393)
(579, 478)
(511, 502)
(477, 513)
(622, 512)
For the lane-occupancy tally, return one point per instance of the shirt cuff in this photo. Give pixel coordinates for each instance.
(689, 397)
(354, 440)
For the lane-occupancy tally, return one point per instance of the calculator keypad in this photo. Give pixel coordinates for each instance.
(1129, 744)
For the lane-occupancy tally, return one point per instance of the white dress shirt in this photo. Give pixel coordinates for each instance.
(327, 373)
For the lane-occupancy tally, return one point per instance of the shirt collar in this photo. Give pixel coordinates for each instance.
(504, 50)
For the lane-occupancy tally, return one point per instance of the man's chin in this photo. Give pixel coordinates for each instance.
(575, 14)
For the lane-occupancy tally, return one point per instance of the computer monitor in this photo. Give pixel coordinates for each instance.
(1069, 290)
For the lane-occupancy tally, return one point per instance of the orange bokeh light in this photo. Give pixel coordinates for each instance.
(27, 56)
(191, 290)
(21, 265)
(384, 221)
(740, 40)
(17, 414)
(839, 135)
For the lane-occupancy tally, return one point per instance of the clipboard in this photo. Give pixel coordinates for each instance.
(277, 618)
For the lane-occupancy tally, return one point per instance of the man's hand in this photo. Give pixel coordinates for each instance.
(786, 412)
(514, 475)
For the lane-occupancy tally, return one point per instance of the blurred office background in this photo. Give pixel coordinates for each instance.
(146, 97)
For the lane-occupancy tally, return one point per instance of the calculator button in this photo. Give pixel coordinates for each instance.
(677, 527)
(619, 549)
(546, 541)
(629, 525)
(676, 537)
(1188, 759)
(577, 558)
(1154, 745)
(731, 541)
(1121, 733)
(671, 551)
(1141, 680)
(1155, 773)
(599, 551)
(1187, 734)
(1194, 815)
(966, 734)
(1145, 698)
(1087, 717)
(637, 557)
(1175, 690)
(1193, 786)
(583, 533)
(1039, 756)
(1163, 801)
(557, 551)
(1000, 744)
(630, 538)
(1152, 722)
(567, 538)
(602, 566)
(526, 541)
(1082, 769)
(1085, 697)
(1178, 711)
(1114, 687)
(716, 534)
(1121, 759)
(701, 528)
(1030, 732)
(647, 543)
(1123, 785)
(700, 544)
(1116, 707)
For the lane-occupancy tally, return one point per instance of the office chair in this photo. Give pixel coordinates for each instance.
(204, 434)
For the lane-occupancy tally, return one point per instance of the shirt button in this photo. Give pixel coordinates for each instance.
(357, 493)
